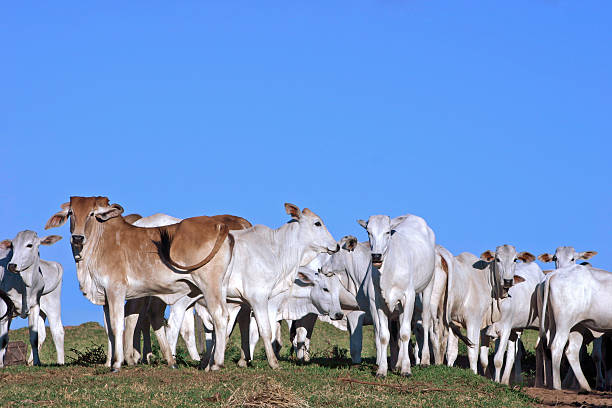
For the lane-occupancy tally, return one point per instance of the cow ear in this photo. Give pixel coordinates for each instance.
(306, 211)
(545, 257)
(308, 276)
(349, 243)
(293, 211)
(59, 218)
(6, 244)
(106, 213)
(487, 256)
(50, 240)
(526, 257)
(363, 223)
(518, 279)
(586, 254)
(397, 221)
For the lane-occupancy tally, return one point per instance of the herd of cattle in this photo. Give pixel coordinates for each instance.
(230, 272)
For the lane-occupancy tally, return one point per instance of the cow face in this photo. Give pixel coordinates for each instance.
(25, 249)
(325, 292)
(503, 263)
(337, 262)
(312, 230)
(379, 234)
(84, 214)
(566, 256)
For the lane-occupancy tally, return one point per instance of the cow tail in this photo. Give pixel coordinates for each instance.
(542, 308)
(166, 242)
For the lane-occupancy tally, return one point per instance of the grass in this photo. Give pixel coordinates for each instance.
(327, 381)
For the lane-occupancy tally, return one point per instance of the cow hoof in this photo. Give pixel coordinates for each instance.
(114, 370)
(406, 374)
(583, 392)
(174, 366)
(381, 375)
(242, 363)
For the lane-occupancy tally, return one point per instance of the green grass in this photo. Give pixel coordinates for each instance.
(316, 384)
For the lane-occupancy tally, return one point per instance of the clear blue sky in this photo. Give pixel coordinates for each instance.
(492, 120)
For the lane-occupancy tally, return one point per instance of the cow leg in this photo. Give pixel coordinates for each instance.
(394, 354)
(405, 330)
(452, 348)
(484, 353)
(381, 333)
(598, 360)
(133, 308)
(51, 305)
(473, 334)
(4, 337)
(175, 321)
(115, 299)
(278, 340)
(42, 335)
(144, 324)
(34, 328)
(355, 326)
(157, 308)
(510, 358)
(188, 334)
(556, 348)
(109, 335)
(500, 352)
(243, 318)
(573, 357)
(265, 331)
(428, 318)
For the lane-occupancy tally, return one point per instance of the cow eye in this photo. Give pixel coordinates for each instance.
(29, 245)
(325, 290)
(91, 214)
(555, 258)
(318, 223)
(572, 259)
(515, 259)
(497, 260)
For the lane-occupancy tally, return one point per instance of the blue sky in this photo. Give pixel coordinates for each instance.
(492, 120)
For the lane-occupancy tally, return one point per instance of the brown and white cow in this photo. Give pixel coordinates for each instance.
(116, 261)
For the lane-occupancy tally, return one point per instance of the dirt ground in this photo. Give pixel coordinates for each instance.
(567, 398)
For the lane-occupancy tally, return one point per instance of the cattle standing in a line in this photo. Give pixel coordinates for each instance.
(34, 286)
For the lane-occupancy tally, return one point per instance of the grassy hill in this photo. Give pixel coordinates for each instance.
(327, 381)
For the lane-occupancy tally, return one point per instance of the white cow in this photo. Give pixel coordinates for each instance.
(351, 264)
(576, 303)
(475, 288)
(566, 256)
(312, 294)
(265, 264)
(518, 312)
(34, 286)
(402, 265)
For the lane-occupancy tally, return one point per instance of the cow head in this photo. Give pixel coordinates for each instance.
(379, 228)
(325, 292)
(312, 230)
(84, 213)
(565, 256)
(337, 262)
(25, 249)
(503, 265)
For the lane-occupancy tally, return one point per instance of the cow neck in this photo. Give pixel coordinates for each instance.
(290, 253)
(494, 283)
(87, 266)
(28, 275)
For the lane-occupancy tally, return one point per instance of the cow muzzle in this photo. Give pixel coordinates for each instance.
(77, 240)
(377, 260)
(12, 268)
(337, 316)
(508, 283)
